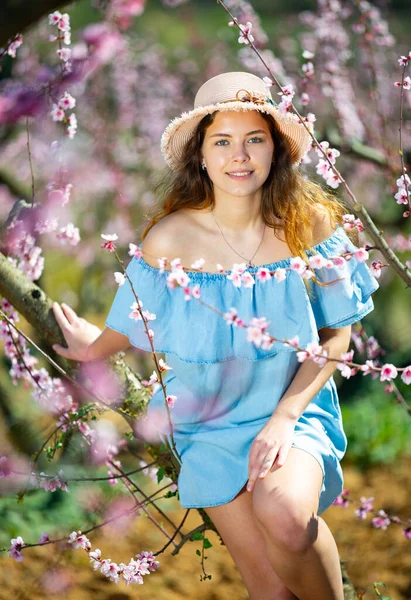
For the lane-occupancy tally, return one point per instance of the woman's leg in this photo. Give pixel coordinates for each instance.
(244, 541)
(300, 546)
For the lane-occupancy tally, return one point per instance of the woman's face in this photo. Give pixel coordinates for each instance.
(238, 151)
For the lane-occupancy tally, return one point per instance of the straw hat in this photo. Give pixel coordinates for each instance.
(232, 91)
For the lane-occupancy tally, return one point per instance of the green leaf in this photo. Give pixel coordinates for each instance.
(160, 474)
(197, 535)
(198, 552)
(207, 543)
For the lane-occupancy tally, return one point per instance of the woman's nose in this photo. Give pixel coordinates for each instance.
(240, 153)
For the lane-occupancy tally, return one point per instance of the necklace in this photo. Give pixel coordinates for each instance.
(249, 261)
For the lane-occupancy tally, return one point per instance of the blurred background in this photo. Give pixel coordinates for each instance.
(134, 65)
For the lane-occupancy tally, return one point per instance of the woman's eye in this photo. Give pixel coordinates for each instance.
(218, 143)
(256, 138)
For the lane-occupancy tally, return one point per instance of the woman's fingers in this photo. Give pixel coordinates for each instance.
(261, 465)
(61, 350)
(60, 315)
(69, 312)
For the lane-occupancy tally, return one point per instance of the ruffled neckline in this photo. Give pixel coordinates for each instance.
(336, 235)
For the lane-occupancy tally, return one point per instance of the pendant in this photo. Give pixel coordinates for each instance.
(250, 264)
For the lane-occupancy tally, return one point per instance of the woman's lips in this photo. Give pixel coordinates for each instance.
(240, 177)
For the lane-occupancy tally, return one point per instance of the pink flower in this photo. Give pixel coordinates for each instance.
(69, 235)
(149, 316)
(298, 265)
(407, 530)
(361, 255)
(64, 54)
(109, 243)
(220, 268)
(280, 274)
(304, 99)
(15, 550)
(402, 196)
(294, 342)
(403, 61)
(198, 264)
(406, 375)
(231, 316)
(313, 350)
(376, 267)
(263, 274)
(246, 37)
(14, 44)
(366, 507)
(43, 538)
(54, 18)
(153, 564)
(4, 467)
(247, 280)
(77, 540)
(382, 521)
(342, 499)
(317, 261)
(388, 372)
(67, 101)
(135, 312)
(119, 277)
(135, 251)
(171, 400)
(57, 113)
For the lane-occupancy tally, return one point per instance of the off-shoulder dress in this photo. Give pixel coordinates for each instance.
(226, 387)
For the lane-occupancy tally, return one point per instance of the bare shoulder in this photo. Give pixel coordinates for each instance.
(165, 238)
(322, 225)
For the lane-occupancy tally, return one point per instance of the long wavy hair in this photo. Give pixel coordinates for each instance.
(286, 193)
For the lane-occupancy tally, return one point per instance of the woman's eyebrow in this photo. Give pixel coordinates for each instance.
(228, 135)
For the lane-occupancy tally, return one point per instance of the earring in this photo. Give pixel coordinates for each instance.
(203, 166)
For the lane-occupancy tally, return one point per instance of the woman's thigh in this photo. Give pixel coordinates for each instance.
(244, 541)
(285, 501)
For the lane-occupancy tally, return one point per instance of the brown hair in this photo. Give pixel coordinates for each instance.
(286, 193)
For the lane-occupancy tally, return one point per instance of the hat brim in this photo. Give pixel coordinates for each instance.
(181, 129)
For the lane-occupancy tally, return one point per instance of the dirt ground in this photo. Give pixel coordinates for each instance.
(370, 554)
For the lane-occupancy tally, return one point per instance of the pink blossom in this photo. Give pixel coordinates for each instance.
(67, 101)
(406, 375)
(135, 312)
(43, 538)
(4, 467)
(304, 99)
(72, 127)
(109, 243)
(55, 17)
(171, 400)
(231, 316)
(263, 274)
(235, 278)
(403, 61)
(342, 499)
(95, 557)
(317, 261)
(69, 235)
(297, 264)
(135, 251)
(220, 268)
(198, 264)
(57, 113)
(388, 372)
(153, 564)
(64, 54)
(402, 196)
(120, 278)
(375, 268)
(308, 70)
(52, 484)
(14, 45)
(15, 550)
(313, 350)
(366, 507)
(294, 342)
(361, 255)
(280, 274)
(382, 521)
(247, 280)
(195, 290)
(149, 316)
(110, 570)
(77, 540)
(246, 36)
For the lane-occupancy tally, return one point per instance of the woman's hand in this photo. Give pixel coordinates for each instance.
(270, 446)
(78, 333)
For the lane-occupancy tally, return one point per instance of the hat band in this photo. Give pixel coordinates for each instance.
(254, 97)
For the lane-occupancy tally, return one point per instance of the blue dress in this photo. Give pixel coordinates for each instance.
(226, 387)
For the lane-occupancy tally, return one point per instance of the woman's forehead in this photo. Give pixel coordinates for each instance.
(239, 122)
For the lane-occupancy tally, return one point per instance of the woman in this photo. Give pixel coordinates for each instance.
(260, 435)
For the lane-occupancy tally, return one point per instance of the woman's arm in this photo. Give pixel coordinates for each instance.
(84, 340)
(310, 377)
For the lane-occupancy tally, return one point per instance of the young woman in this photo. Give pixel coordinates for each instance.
(259, 434)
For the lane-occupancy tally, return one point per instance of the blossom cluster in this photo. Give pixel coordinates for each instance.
(58, 113)
(380, 521)
(403, 193)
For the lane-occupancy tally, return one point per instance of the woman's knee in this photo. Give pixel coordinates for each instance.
(285, 522)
